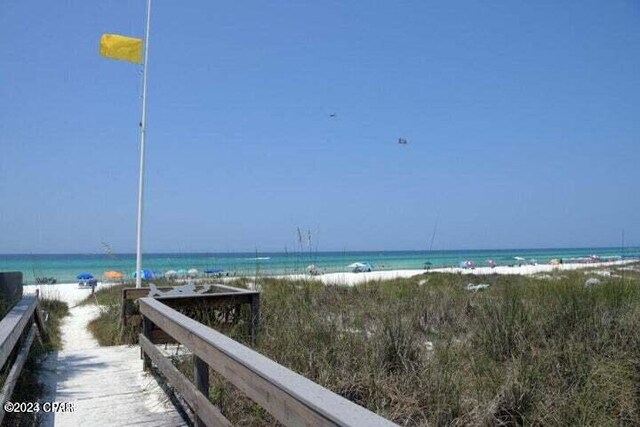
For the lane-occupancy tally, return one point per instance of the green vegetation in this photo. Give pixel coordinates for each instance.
(56, 310)
(107, 328)
(540, 350)
(28, 388)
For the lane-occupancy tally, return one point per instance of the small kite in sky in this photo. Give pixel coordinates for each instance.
(402, 141)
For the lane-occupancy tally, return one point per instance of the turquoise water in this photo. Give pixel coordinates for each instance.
(65, 267)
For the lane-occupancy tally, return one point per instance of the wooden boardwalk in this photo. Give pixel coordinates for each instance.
(107, 384)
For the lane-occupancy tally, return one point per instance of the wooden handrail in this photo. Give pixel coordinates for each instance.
(225, 296)
(291, 398)
(199, 402)
(13, 324)
(12, 327)
(12, 378)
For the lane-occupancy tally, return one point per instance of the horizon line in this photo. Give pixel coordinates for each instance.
(253, 252)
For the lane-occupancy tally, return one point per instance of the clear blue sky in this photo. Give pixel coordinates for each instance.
(523, 122)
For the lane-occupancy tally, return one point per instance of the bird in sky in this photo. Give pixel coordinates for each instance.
(333, 115)
(402, 141)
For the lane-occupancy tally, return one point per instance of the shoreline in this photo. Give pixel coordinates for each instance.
(72, 295)
(65, 268)
(350, 279)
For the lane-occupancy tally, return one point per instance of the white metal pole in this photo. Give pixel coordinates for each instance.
(143, 131)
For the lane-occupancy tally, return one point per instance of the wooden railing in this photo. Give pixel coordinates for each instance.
(220, 296)
(291, 398)
(24, 319)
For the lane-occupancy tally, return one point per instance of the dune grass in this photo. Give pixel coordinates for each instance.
(425, 351)
(57, 311)
(107, 328)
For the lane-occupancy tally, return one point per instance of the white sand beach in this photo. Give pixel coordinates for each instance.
(70, 293)
(67, 292)
(351, 279)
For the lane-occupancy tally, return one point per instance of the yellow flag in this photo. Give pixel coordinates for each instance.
(124, 48)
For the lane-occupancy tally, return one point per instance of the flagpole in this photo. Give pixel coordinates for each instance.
(143, 132)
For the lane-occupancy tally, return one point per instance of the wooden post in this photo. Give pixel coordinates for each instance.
(123, 315)
(254, 322)
(147, 326)
(201, 379)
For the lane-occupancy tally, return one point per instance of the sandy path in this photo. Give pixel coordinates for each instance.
(106, 384)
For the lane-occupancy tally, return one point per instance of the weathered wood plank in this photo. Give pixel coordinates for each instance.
(16, 369)
(13, 324)
(158, 336)
(291, 398)
(231, 288)
(136, 293)
(147, 327)
(202, 407)
(219, 298)
(41, 321)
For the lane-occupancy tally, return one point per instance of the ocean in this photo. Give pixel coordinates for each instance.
(65, 267)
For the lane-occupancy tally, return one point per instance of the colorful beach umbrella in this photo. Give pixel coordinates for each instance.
(84, 276)
(146, 275)
(115, 275)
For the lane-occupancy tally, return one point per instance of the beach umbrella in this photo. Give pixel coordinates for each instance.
(84, 276)
(171, 273)
(146, 275)
(356, 265)
(115, 275)
(466, 264)
(213, 271)
(491, 263)
(193, 272)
